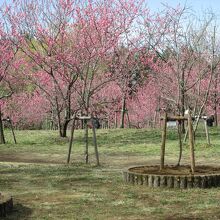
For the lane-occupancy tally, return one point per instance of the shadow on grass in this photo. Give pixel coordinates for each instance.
(19, 212)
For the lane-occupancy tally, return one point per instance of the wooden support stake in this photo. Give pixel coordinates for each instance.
(164, 134)
(186, 134)
(207, 133)
(191, 143)
(86, 141)
(180, 143)
(95, 143)
(71, 139)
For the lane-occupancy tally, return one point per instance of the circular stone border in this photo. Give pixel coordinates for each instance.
(171, 180)
(6, 205)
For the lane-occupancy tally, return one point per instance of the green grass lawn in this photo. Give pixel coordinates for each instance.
(44, 187)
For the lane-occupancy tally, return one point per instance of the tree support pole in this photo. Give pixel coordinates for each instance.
(207, 133)
(162, 154)
(186, 134)
(71, 139)
(180, 143)
(191, 143)
(95, 143)
(86, 141)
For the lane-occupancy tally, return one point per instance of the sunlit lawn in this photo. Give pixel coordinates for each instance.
(44, 187)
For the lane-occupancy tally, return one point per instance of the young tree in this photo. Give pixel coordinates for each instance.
(7, 54)
(181, 53)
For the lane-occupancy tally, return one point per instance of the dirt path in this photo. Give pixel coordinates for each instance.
(32, 158)
(117, 161)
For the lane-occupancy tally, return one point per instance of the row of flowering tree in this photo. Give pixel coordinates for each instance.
(67, 48)
(8, 82)
(101, 57)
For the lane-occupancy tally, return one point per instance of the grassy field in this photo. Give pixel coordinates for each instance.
(44, 187)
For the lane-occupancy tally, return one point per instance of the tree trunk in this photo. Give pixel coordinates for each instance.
(12, 130)
(155, 119)
(116, 120)
(129, 122)
(64, 128)
(2, 136)
(215, 116)
(58, 118)
(123, 111)
(182, 110)
(216, 79)
(215, 105)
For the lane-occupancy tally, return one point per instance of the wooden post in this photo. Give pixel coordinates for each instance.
(86, 141)
(71, 138)
(180, 143)
(164, 134)
(191, 143)
(95, 143)
(206, 132)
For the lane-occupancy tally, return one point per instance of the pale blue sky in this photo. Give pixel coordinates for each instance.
(198, 6)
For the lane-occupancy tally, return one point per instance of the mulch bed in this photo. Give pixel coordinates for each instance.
(173, 176)
(175, 170)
